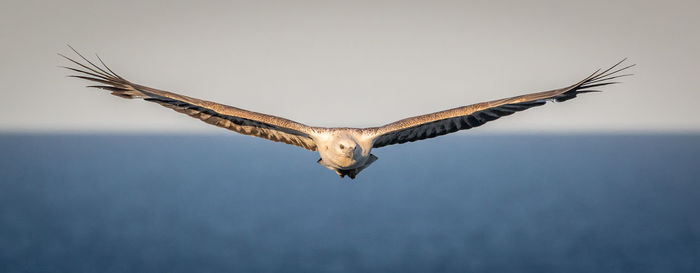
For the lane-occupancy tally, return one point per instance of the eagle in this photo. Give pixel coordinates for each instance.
(346, 151)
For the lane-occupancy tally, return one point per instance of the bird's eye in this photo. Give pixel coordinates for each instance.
(341, 146)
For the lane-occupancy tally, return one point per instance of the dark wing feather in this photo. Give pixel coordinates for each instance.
(462, 118)
(232, 118)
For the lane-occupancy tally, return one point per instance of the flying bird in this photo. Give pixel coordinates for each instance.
(346, 151)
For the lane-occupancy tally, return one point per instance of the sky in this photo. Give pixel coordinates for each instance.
(352, 63)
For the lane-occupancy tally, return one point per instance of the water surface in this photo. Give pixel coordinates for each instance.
(160, 203)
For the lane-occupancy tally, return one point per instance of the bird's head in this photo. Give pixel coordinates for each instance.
(345, 147)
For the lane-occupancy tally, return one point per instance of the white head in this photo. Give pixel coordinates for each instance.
(347, 152)
(344, 147)
(341, 152)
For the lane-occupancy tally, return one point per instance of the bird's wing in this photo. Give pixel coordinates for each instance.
(232, 118)
(461, 118)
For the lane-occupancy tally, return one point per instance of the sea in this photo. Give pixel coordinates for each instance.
(458, 203)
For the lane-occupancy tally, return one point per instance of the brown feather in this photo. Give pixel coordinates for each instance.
(232, 118)
(465, 117)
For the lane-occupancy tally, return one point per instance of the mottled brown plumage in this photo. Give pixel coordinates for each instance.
(344, 150)
(465, 117)
(229, 117)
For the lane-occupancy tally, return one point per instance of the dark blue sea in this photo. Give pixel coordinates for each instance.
(458, 203)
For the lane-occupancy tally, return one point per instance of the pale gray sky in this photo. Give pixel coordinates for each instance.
(352, 63)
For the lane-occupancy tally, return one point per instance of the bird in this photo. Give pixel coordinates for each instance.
(346, 151)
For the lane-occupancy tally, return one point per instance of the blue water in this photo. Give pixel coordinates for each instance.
(119, 203)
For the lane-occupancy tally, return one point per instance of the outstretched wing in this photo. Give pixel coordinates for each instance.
(232, 118)
(461, 118)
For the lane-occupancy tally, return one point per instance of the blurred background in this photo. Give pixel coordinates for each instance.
(606, 182)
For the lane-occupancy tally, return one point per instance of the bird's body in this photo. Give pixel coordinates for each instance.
(344, 150)
(347, 151)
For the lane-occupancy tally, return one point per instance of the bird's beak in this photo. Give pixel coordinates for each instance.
(350, 152)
